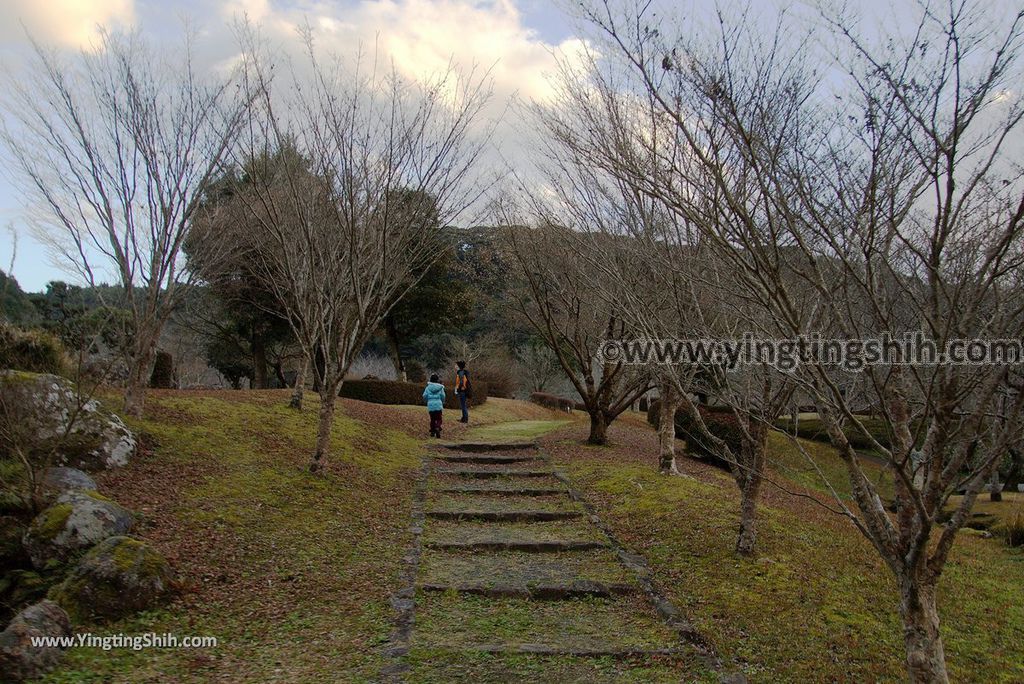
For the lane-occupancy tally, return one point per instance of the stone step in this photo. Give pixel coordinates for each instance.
(487, 458)
(616, 625)
(536, 591)
(504, 516)
(534, 537)
(493, 472)
(475, 501)
(524, 545)
(596, 651)
(486, 489)
(489, 446)
(528, 575)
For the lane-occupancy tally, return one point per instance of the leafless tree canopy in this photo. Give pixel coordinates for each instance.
(864, 193)
(348, 177)
(115, 146)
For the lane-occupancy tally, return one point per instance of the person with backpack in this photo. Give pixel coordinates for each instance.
(463, 389)
(433, 394)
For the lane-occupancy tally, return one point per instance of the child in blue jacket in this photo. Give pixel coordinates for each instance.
(433, 394)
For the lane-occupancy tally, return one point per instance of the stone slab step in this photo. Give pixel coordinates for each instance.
(534, 590)
(486, 489)
(524, 545)
(487, 458)
(504, 516)
(592, 625)
(489, 446)
(597, 651)
(493, 472)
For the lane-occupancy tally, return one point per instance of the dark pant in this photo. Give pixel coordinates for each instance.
(463, 402)
(435, 422)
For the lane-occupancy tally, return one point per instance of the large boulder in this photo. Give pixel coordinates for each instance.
(59, 480)
(75, 522)
(49, 413)
(118, 577)
(19, 659)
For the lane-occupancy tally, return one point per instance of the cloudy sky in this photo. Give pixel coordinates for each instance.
(518, 39)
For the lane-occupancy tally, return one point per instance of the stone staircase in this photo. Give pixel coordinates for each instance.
(511, 578)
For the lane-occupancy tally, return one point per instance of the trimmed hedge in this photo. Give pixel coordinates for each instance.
(394, 392)
(813, 429)
(720, 420)
(553, 401)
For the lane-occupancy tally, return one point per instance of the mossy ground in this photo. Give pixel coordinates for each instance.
(291, 572)
(431, 666)
(815, 603)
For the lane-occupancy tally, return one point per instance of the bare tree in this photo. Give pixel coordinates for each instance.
(116, 145)
(650, 266)
(890, 208)
(338, 229)
(556, 298)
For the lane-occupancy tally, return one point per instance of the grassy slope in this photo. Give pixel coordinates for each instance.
(292, 573)
(815, 604)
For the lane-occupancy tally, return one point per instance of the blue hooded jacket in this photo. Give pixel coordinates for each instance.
(434, 395)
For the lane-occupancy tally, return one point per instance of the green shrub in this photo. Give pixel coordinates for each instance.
(34, 351)
(393, 392)
(1014, 529)
(553, 401)
(814, 429)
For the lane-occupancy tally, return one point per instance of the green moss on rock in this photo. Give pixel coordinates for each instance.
(118, 577)
(51, 521)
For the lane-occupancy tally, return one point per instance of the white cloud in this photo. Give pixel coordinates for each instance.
(421, 37)
(71, 23)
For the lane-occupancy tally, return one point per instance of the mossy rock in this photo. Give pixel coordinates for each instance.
(20, 660)
(117, 578)
(77, 521)
(53, 418)
(58, 480)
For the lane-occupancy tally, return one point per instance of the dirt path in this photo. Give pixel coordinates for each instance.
(511, 578)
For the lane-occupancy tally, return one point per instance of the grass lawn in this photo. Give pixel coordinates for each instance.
(815, 604)
(517, 431)
(292, 573)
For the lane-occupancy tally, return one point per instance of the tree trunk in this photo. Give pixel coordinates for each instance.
(995, 490)
(300, 385)
(259, 363)
(926, 661)
(667, 430)
(752, 459)
(598, 428)
(139, 370)
(1013, 477)
(395, 352)
(748, 514)
(328, 398)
